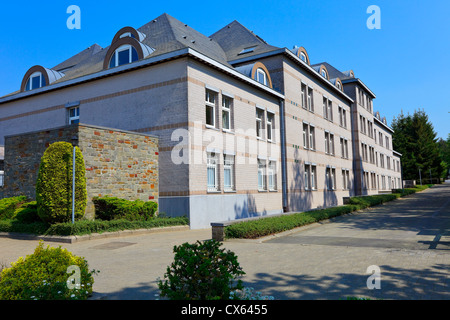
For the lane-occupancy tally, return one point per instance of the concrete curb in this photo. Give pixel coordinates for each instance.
(73, 239)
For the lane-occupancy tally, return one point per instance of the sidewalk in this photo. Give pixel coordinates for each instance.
(325, 261)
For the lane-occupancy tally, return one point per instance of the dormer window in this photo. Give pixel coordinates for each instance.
(261, 76)
(303, 57)
(35, 81)
(324, 73)
(127, 34)
(123, 55)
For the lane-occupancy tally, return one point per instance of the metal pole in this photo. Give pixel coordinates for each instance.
(73, 186)
(430, 177)
(420, 176)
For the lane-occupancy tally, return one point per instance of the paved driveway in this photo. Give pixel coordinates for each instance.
(408, 239)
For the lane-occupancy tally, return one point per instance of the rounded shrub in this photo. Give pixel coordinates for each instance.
(45, 275)
(201, 271)
(54, 184)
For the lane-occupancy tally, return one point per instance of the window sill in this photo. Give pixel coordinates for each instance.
(229, 191)
(273, 190)
(262, 190)
(208, 126)
(228, 131)
(214, 191)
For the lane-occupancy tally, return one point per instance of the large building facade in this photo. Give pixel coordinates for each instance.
(244, 128)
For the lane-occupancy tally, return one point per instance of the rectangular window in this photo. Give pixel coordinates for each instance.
(330, 175)
(310, 100)
(305, 136)
(259, 122)
(312, 138)
(212, 172)
(270, 127)
(228, 173)
(210, 101)
(226, 112)
(307, 176)
(2, 178)
(310, 177)
(330, 110)
(313, 177)
(325, 108)
(74, 115)
(303, 96)
(262, 175)
(331, 148)
(272, 175)
(327, 143)
(344, 118)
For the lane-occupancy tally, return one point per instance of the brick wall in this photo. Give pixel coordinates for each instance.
(118, 163)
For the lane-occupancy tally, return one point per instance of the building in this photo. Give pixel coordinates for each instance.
(244, 128)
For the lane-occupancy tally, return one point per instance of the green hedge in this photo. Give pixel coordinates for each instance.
(266, 226)
(110, 208)
(8, 206)
(82, 227)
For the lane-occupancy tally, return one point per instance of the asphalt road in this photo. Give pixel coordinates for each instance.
(408, 240)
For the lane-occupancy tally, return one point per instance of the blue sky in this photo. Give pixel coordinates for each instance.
(405, 63)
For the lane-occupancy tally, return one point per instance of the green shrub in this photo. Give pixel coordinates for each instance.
(270, 225)
(54, 184)
(43, 276)
(110, 208)
(27, 213)
(9, 205)
(201, 271)
(98, 226)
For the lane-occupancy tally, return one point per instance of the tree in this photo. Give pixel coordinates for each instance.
(54, 184)
(444, 150)
(414, 137)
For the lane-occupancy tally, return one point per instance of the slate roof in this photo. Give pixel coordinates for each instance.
(234, 38)
(164, 34)
(332, 71)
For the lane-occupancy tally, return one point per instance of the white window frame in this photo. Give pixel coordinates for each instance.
(272, 175)
(304, 94)
(269, 126)
(313, 177)
(228, 165)
(212, 164)
(121, 49)
(310, 99)
(312, 137)
(307, 176)
(29, 84)
(72, 119)
(261, 72)
(210, 102)
(262, 185)
(227, 110)
(259, 123)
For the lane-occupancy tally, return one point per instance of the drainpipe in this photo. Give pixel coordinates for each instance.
(283, 156)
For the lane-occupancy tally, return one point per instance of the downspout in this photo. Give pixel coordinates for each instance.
(283, 156)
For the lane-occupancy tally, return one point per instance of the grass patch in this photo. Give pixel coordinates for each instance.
(266, 226)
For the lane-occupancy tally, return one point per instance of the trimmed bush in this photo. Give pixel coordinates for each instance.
(54, 184)
(111, 208)
(201, 271)
(9, 205)
(43, 276)
(27, 213)
(270, 225)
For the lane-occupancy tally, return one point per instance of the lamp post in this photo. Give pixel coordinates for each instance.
(74, 144)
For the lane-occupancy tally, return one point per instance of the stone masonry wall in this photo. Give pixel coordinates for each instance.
(118, 163)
